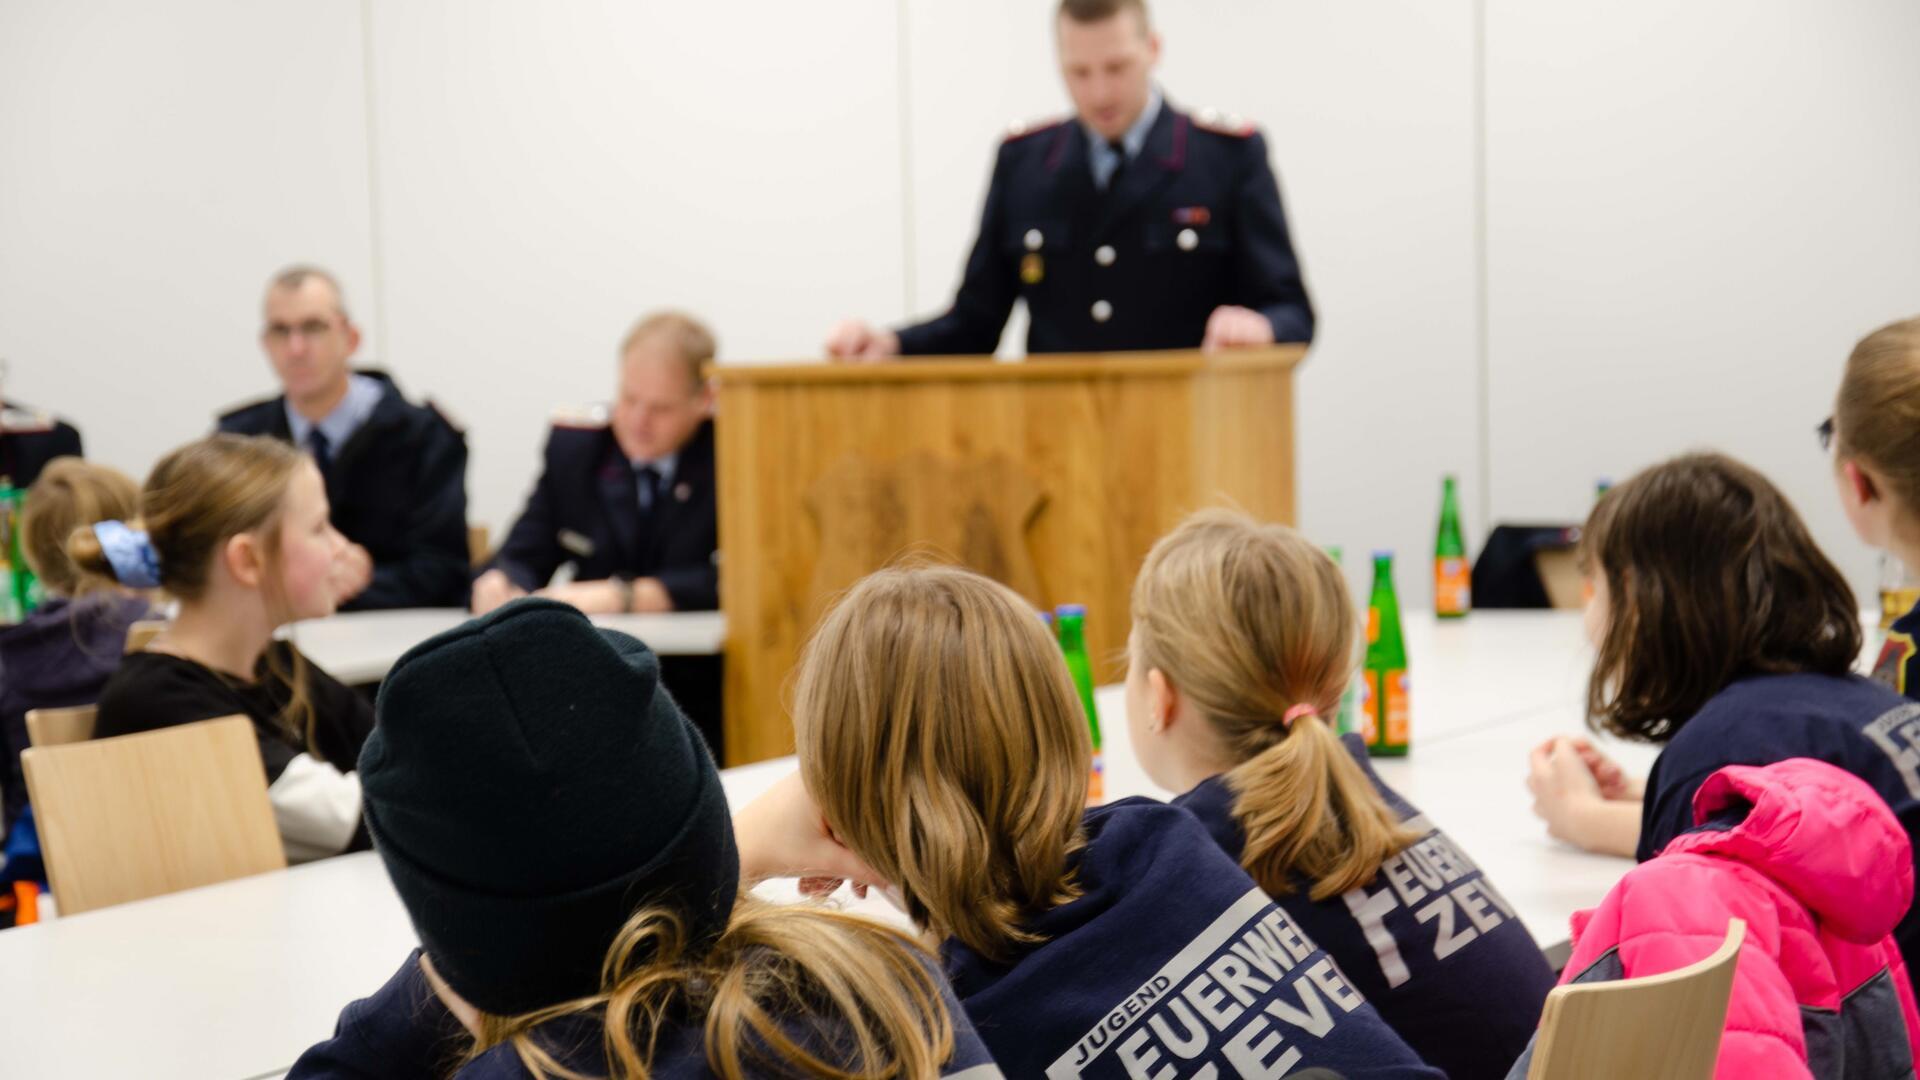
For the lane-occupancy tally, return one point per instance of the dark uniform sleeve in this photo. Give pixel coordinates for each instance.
(532, 551)
(693, 587)
(401, 1031)
(987, 290)
(434, 570)
(1268, 273)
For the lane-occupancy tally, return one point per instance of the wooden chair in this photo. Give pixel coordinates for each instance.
(58, 727)
(479, 545)
(1659, 1027)
(142, 633)
(140, 815)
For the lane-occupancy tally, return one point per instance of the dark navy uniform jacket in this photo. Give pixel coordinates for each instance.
(404, 1032)
(398, 489)
(1850, 722)
(24, 453)
(586, 510)
(1171, 962)
(1429, 940)
(1189, 224)
(1898, 665)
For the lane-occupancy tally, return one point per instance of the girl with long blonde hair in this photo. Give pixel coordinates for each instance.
(942, 745)
(1244, 639)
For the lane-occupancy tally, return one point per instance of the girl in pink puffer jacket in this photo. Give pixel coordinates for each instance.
(1820, 870)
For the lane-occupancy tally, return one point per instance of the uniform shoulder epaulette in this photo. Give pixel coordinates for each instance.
(582, 418)
(1022, 129)
(1223, 123)
(446, 417)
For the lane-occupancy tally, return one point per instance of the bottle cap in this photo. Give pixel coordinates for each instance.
(1068, 611)
(1382, 553)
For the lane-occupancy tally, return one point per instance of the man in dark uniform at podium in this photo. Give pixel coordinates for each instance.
(1131, 226)
(395, 472)
(627, 497)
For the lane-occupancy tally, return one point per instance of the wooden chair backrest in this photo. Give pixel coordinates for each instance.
(58, 727)
(1659, 1027)
(140, 634)
(135, 816)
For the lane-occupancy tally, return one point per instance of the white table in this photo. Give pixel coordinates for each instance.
(233, 981)
(361, 646)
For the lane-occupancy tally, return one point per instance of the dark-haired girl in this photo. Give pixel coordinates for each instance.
(1724, 634)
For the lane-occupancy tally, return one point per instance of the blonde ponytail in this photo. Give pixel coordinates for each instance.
(1254, 625)
(1309, 812)
(778, 975)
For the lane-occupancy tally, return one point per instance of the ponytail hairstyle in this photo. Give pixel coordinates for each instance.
(940, 733)
(864, 994)
(1254, 625)
(1877, 414)
(71, 494)
(1710, 577)
(195, 500)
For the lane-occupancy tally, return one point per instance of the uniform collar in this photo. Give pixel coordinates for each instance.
(363, 395)
(1135, 138)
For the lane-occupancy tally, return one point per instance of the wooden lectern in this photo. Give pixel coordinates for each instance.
(1054, 475)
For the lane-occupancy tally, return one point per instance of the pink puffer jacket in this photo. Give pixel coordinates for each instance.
(1820, 870)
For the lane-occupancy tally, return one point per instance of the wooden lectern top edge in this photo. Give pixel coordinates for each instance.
(981, 368)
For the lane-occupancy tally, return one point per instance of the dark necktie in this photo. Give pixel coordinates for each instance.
(1120, 164)
(322, 450)
(646, 483)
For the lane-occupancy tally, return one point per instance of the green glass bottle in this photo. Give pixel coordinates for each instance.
(1070, 620)
(26, 587)
(1452, 578)
(1385, 718)
(9, 526)
(1348, 719)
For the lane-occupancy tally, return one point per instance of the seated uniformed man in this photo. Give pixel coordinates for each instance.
(396, 472)
(1132, 225)
(627, 499)
(29, 439)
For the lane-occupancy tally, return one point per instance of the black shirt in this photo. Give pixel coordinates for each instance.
(153, 690)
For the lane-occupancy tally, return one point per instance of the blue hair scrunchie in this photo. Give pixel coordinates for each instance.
(135, 563)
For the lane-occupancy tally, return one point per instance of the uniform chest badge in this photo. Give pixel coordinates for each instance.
(1192, 215)
(682, 492)
(1033, 268)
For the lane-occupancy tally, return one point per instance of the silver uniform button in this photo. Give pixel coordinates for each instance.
(1034, 239)
(1102, 311)
(1104, 255)
(1188, 240)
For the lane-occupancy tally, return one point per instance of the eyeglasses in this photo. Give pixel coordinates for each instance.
(1825, 431)
(278, 333)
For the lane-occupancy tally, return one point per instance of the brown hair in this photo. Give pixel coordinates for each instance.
(941, 735)
(868, 991)
(70, 494)
(1248, 621)
(1710, 576)
(196, 498)
(690, 338)
(1877, 415)
(1087, 12)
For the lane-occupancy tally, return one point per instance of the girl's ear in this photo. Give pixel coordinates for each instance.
(1860, 482)
(1163, 701)
(242, 556)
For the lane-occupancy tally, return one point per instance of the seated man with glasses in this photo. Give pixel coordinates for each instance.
(395, 471)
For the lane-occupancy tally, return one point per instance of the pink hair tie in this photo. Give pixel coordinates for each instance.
(1296, 713)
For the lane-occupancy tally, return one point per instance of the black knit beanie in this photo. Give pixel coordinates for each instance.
(529, 785)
